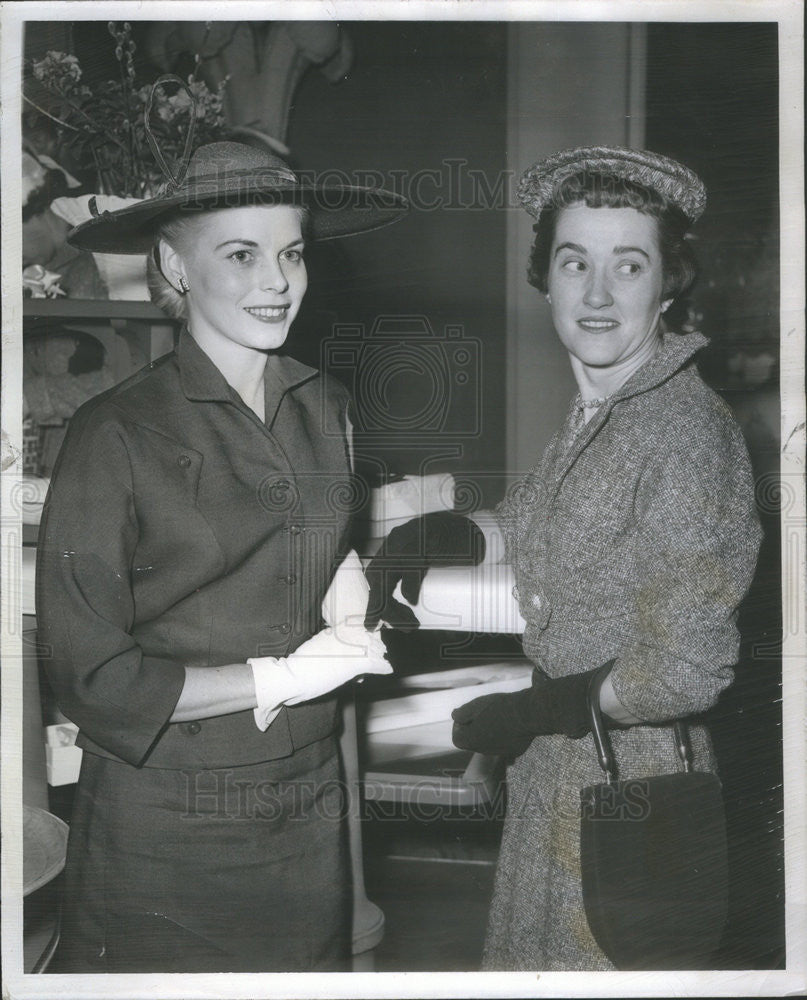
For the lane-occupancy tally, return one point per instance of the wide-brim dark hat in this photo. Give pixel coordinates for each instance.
(229, 174)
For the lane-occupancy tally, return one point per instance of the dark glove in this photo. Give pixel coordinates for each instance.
(438, 539)
(506, 724)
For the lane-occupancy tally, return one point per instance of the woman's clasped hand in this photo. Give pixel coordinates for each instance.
(440, 538)
(320, 665)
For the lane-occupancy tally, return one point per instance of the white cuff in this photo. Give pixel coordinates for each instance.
(265, 717)
(267, 674)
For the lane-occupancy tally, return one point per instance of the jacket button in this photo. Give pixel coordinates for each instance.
(193, 728)
(285, 628)
(184, 461)
(295, 529)
(291, 579)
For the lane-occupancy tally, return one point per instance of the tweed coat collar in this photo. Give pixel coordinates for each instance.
(201, 380)
(676, 351)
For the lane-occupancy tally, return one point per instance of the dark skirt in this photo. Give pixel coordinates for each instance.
(242, 869)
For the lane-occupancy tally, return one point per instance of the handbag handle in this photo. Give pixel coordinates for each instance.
(602, 741)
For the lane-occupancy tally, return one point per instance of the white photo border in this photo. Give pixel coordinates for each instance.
(793, 980)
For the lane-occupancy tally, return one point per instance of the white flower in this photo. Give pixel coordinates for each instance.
(58, 71)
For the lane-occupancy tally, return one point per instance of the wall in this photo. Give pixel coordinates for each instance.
(569, 84)
(499, 97)
(713, 101)
(713, 92)
(420, 97)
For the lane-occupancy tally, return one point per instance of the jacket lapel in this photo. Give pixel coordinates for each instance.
(201, 379)
(282, 374)
(676, 351)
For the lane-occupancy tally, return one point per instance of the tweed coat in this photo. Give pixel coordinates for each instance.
(637, 542)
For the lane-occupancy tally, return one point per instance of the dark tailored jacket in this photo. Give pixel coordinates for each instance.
(179, 531)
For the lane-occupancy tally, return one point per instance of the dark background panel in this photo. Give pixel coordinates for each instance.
(423, 107)
(712, 101)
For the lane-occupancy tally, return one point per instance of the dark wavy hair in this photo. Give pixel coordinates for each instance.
(597, 190)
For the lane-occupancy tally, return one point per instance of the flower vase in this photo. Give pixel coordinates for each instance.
(123, 274)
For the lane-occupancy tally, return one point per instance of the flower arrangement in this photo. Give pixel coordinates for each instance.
(104, 127)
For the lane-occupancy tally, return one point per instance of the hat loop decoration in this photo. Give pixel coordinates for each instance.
(172, 181)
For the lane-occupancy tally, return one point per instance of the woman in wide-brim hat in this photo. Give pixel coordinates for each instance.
(633, 541)
(191, 535)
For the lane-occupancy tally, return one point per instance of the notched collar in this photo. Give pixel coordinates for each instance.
(201, 379)
(282, 373)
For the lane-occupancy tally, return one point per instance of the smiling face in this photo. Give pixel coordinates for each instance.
(245, 271)
(605, 286)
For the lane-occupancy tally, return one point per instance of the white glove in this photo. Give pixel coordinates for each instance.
(329, 659)
(345, 605)
(322, 664)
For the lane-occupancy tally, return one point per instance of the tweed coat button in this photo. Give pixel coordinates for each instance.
(184, 461)
(193, 728)
(536, 601)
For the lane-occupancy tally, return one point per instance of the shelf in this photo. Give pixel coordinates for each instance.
(101, 309)
(128, 335)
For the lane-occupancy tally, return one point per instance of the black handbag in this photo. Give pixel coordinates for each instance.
(654, 859)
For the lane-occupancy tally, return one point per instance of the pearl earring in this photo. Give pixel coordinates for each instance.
(666, 305)
(548, 298)
(184, 287)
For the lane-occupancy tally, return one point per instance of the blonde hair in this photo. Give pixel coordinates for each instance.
(173, 231)
(162, 293)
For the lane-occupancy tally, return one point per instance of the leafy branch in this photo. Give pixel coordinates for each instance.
(104, 128)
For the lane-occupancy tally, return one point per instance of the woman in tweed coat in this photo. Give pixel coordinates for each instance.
(633, 540)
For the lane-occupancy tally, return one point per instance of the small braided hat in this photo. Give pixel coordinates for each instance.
(677, 183)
